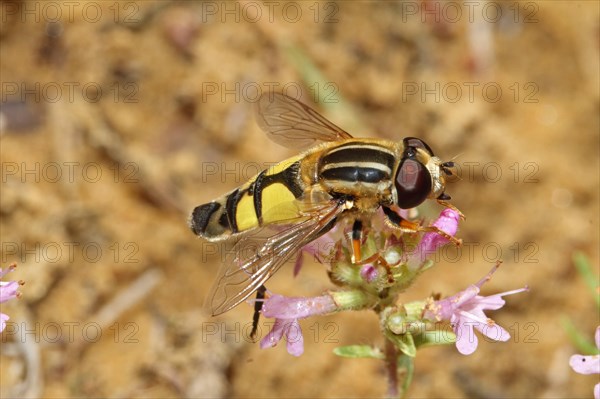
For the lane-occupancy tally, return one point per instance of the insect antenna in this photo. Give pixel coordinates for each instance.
(447, 167)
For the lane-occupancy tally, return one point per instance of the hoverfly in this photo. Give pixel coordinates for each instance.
(295, 201)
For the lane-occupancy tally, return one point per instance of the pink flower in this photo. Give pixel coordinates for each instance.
(431, 242)
(293, 336)
(465, 312)
(286, 312)
(317, 249)
(8, 290)
(368, 272)
(588, 364)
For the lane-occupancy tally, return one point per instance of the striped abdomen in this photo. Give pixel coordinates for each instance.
(358, 169)
(268, 198)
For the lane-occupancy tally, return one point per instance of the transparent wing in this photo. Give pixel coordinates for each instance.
(290, 123)
(260, 253)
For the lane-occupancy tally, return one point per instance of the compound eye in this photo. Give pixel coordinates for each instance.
(417, 143)
(413, 183)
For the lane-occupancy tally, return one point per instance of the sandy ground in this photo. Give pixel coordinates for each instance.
(119, 117)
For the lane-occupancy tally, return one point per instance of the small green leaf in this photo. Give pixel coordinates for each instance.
(406, 363)
(427, 265)
(359, 351)
(369, 247)
(404, 342)
(350, 299)
(437, 337)
(415, 309)
(347, 273)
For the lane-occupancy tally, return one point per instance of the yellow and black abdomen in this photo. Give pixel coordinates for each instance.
(266, 199)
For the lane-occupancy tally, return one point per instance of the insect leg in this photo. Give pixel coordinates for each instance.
(356, 241)
(442, 201)
(260, 296)
(405, 225)
(379, 259)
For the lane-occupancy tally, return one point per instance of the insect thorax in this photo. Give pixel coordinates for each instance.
(361, 169)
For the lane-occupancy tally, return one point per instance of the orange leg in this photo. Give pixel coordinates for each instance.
(449, 205)
(356, 241)
(395, 218)
(356, 254)
(379, 260)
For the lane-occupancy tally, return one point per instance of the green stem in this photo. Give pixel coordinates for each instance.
(578, 339)
(584, 268)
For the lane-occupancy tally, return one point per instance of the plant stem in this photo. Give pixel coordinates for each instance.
(391, 361)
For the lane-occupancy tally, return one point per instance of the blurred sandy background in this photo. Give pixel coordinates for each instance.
(119, 117)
